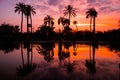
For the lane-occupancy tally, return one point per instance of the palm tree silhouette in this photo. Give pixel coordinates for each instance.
(75, 23)
(70, 11)
(20, 8)
(92, 13)
(61, 21)
(29, 10)
(66, 22)
(48, 20)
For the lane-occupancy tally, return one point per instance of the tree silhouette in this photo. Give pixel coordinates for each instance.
(48, 20)
(66, 22)
(92, 13)
(9, 33)
(75, 23)
(29, 10)
(61, 20)
(46, 32)
(70, 11)
(20, 8)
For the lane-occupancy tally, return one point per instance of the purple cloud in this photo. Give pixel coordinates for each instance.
(91, 1)
(54, 2)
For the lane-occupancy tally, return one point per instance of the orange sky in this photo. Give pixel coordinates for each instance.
(107, 19)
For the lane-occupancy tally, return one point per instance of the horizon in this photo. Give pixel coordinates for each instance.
(104, 20)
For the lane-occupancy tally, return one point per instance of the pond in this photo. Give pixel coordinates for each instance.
(58, 61)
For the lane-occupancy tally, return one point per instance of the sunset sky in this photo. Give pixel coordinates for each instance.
(107, 19)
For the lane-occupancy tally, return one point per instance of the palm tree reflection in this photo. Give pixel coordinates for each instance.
(90, 64)
(74, 48)
(46, 49)
(29, 66)
(68, 65)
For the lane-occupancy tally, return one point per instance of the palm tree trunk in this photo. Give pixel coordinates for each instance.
(59, 29)
(48, 23)
(90, 23)
(69, 16)
(94, 24)
(31, 22)
(76, 27)
(21, 21)
(27, 23)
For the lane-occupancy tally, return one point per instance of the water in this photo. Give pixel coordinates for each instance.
(58, 61)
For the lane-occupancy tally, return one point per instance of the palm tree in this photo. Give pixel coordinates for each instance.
(29, 10)
(75, 23)
(92, 13)
(70, 11)
(20, 8)
(48, 20)
(66, 22)
(61, 21)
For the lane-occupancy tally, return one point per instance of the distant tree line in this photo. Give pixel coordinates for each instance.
(45, 33)
(9, 32)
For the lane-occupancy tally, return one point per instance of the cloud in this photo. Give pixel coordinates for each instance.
(54, 2)
(57, 6)
(1, 0)
(91, 1)
(105, 9)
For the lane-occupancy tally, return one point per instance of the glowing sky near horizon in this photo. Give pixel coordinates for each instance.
(108, 12)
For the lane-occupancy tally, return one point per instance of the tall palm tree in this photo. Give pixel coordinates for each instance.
(70, 11)
(48, 20)
(88, 14)
(75, 23)
(20, 8)
(92, 13)
(29, 10)
(94, 16)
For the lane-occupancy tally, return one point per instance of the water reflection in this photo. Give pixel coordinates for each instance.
(28, 67)
(46, 49)
(67, 63)
(60, 61)
(75, 46)
(9, 47)
(90, 64)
